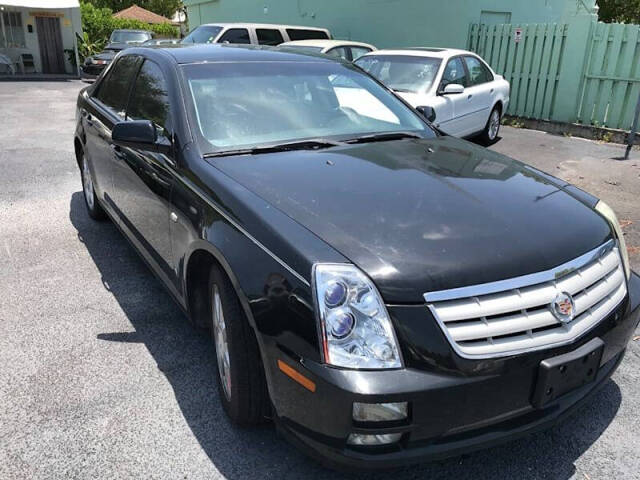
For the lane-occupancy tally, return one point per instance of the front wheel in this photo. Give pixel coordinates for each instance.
(491, 130)
(90, 199)
(240, 374)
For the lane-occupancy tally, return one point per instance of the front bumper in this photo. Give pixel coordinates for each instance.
(474, 405)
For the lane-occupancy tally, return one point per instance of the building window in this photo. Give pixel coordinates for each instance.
(13, 30)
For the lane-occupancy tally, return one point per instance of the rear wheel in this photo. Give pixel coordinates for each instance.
(241, 379)
(90, 199)
(491, 130)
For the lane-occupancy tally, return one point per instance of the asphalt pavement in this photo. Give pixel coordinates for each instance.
(102, 377)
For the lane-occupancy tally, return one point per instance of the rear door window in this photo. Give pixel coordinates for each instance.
(339, 52)
(235, 35)
(478, 72)
(114, 89)
(150, 98)
(357, 52)
(301, 34)
(269, 36)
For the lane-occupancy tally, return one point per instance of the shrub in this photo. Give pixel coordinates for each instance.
(98, 23)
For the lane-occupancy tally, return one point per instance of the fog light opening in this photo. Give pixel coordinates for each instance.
(380, 412)
(362, 439)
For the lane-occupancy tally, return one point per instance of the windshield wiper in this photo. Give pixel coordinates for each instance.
(382, 137)
(314, 144)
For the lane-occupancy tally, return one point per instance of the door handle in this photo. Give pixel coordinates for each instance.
(89, 119)
(492, 90)
(469, 97)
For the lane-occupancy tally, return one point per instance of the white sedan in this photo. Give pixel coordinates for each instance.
(345, 49)
(455, 89)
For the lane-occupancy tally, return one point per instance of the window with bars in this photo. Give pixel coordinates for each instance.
(13, 29)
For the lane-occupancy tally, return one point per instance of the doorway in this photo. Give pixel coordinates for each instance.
(50, 42)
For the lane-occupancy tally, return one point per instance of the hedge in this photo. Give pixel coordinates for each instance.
(98, 23)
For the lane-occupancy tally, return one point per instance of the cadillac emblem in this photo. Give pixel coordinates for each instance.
(563, 307)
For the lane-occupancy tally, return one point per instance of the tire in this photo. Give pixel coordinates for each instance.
(489, 135)
(90, 199)
(241, 380)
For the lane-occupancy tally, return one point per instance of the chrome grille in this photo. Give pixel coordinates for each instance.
(512, 316)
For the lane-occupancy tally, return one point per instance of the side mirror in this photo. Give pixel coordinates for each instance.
(135, 134)
(427, 112)
(453, 89)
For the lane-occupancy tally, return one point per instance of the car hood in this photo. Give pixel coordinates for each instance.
(425, 215)
(121, 45)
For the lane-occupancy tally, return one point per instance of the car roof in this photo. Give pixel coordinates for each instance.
(260, 25)
(131, 30)
(220, 52)
(432, 52)
(326, 43)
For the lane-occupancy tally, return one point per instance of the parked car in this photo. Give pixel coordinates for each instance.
(344, 49)
(384, 292)
(456, 89)
(253, 33)
(155, 42)
(119, 40)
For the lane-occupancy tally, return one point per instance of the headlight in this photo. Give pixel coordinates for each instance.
(606, 211)
(355, 327)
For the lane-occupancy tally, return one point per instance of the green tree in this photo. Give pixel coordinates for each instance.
(166, 8)
(98, 23)
(619, 11)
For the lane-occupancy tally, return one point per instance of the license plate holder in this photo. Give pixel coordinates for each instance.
(564, 373)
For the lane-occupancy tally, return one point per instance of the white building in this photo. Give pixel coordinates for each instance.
(39, 36)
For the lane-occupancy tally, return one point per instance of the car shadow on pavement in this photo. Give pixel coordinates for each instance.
(185, 356)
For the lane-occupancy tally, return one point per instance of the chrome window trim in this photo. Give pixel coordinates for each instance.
(522, 281)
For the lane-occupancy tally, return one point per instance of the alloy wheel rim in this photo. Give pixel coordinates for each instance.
(222, 346)
(87, 183)
(494, 125)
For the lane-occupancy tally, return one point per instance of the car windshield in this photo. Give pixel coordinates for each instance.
(203, 34)
(253, 104)
(402, 73)
(125, 37)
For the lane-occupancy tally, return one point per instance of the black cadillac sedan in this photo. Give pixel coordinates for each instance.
(385, 293)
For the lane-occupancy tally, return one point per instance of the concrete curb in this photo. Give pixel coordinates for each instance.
(610, 135)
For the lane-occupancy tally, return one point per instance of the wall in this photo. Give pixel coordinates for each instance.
(70, 22)
(385, 23)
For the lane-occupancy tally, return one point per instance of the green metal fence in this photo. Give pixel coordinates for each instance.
(585, 72)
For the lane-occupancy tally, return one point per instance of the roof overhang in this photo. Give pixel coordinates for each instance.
(40, 3)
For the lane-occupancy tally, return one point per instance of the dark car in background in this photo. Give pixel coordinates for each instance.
(385, 293)
(119, 40)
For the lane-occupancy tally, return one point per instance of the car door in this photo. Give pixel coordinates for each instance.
(235, 36)
(105, 107)
(479, 93)
(143, 176)
(269, 36)
(451, 109)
